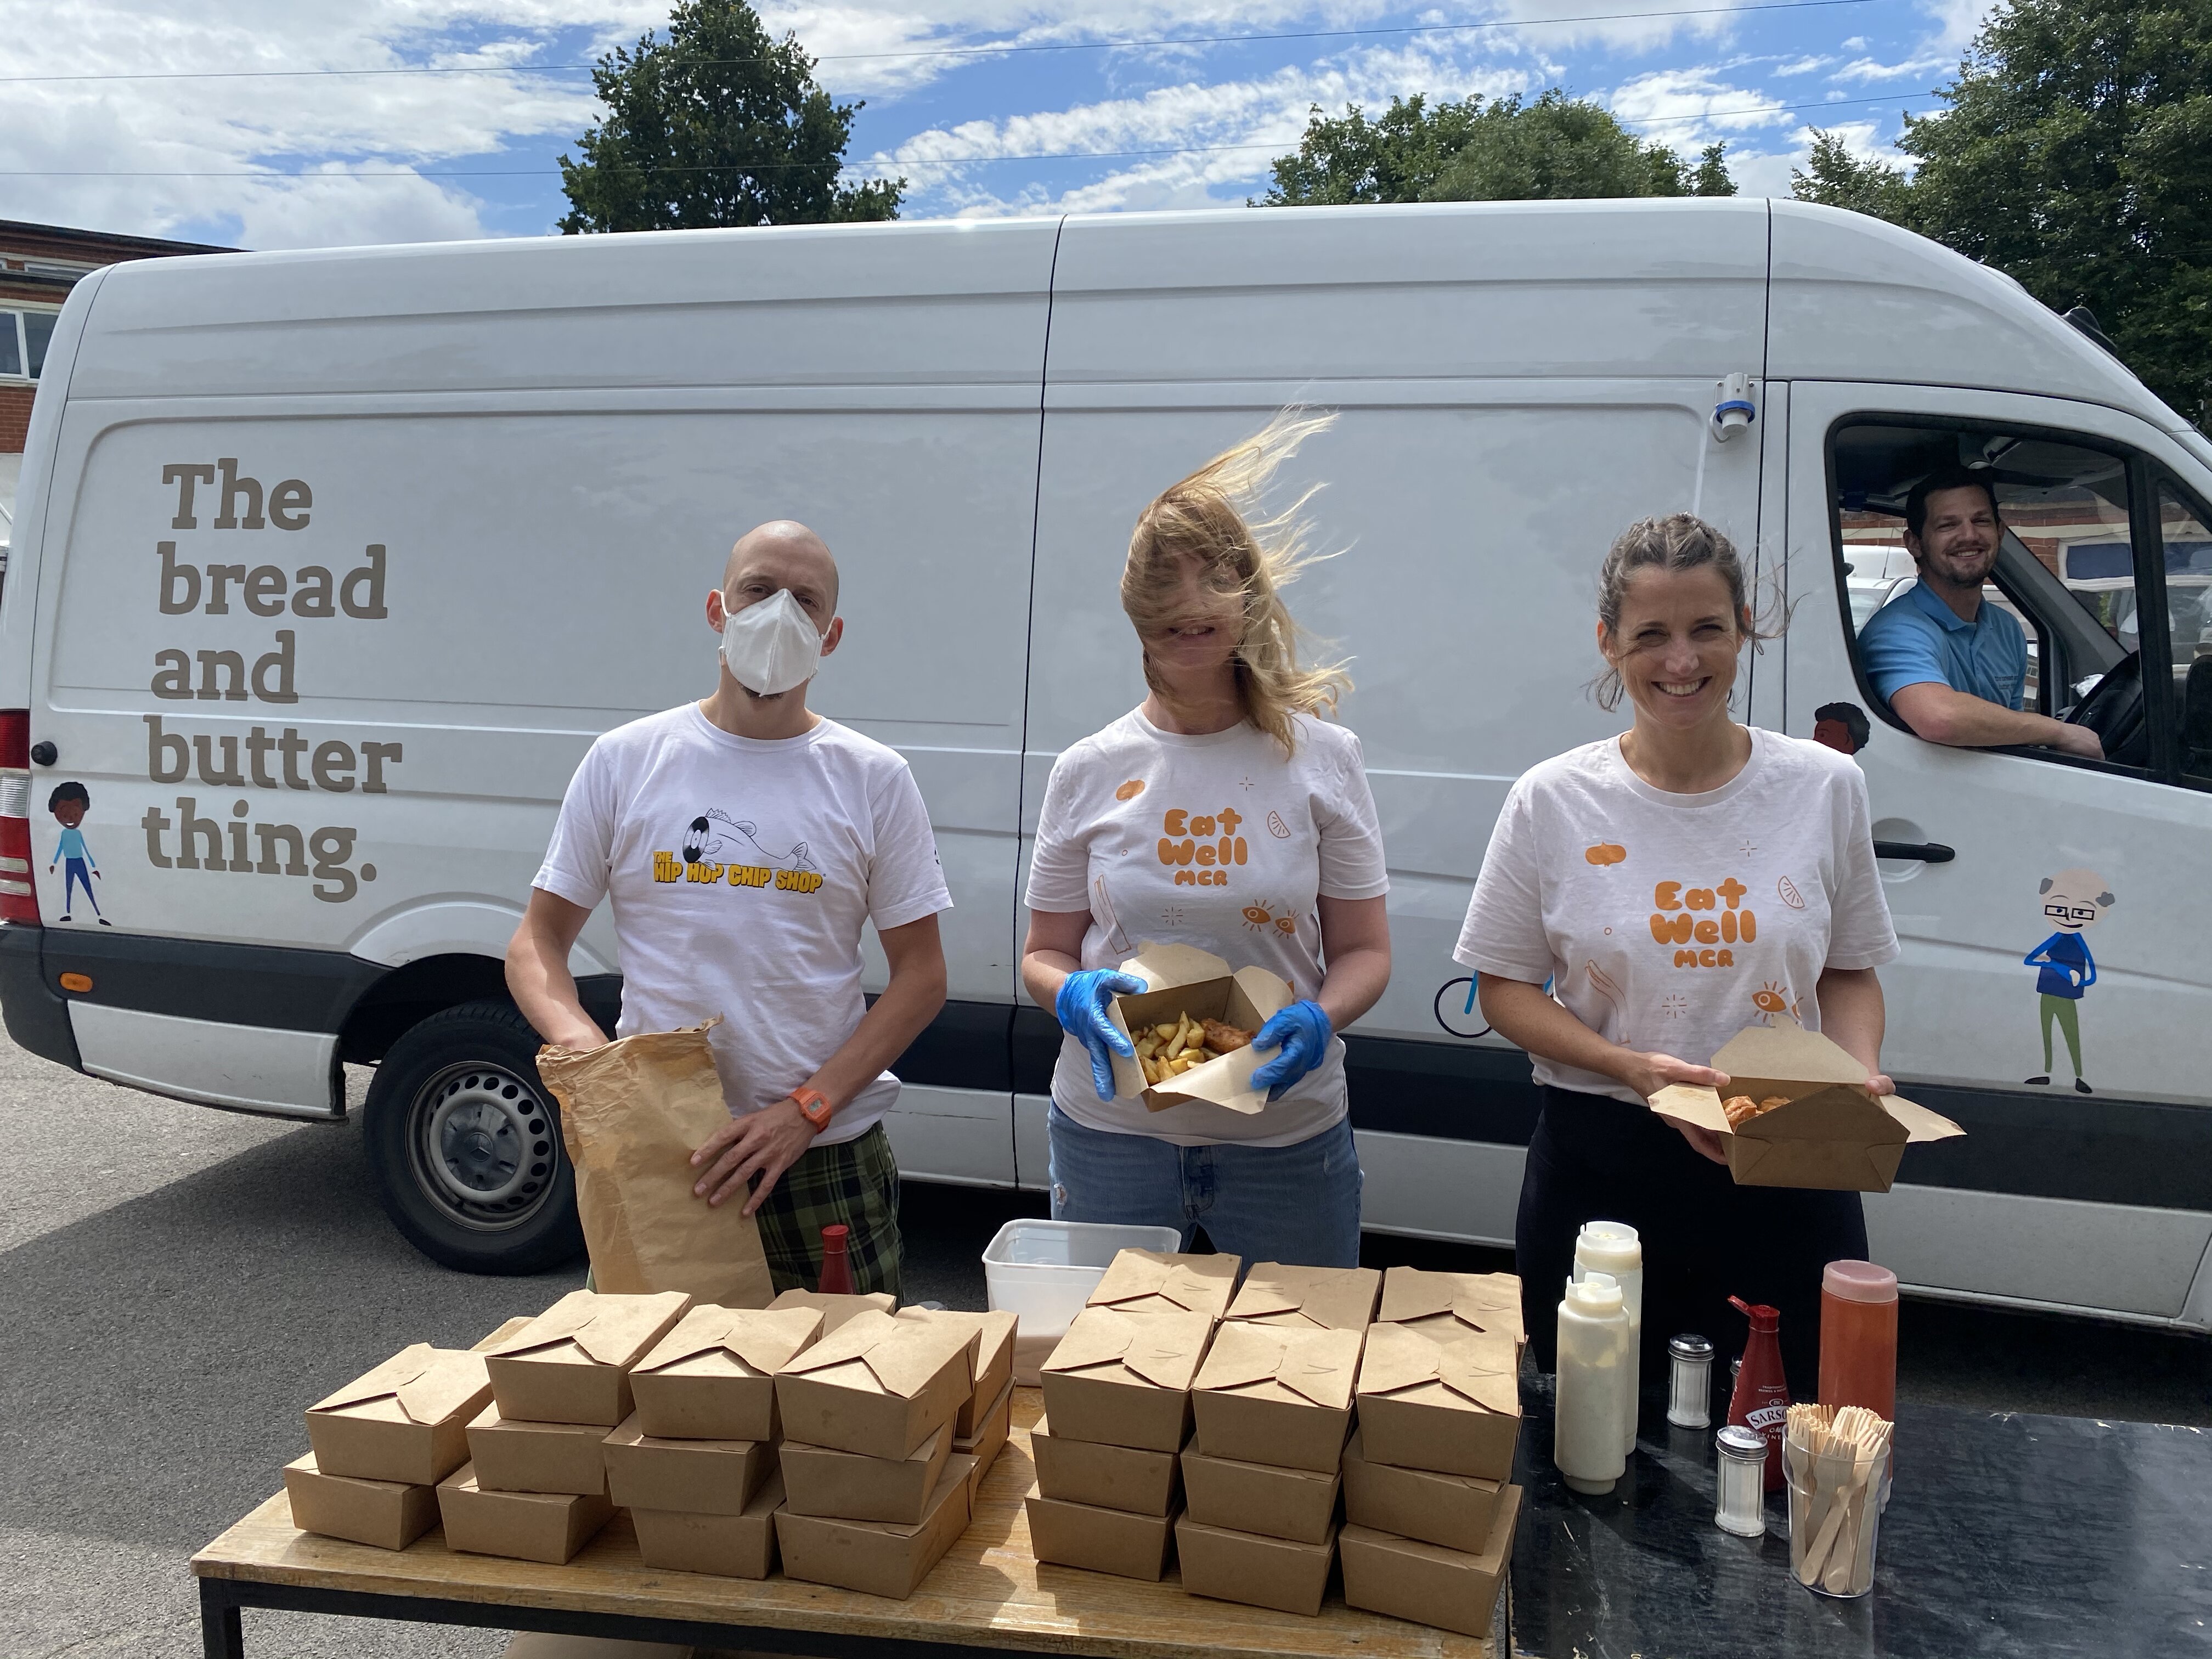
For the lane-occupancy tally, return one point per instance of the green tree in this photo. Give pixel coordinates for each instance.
(1466, 150)
(718, 125)
(1833, 177)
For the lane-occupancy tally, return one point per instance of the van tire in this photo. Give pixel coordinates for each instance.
(464, 1142)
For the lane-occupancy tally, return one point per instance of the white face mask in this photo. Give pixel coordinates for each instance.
(773, 645)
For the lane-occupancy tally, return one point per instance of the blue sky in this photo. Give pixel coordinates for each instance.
(192, 118)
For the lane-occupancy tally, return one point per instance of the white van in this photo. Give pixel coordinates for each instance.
(330, 565)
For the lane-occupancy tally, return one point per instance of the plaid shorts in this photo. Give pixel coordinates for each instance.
(855, 1182)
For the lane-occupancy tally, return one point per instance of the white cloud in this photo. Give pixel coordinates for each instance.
(1866, 71)
(1691, 106)
(1801, 65)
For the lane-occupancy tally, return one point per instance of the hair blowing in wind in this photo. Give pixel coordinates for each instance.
(1216, 520)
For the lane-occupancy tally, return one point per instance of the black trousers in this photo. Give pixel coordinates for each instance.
(1705, 1238)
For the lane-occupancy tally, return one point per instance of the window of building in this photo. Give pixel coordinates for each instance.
(24, 337)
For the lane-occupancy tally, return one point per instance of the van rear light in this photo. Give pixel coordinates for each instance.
(19, 897)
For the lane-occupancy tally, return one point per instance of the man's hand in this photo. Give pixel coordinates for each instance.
(2078, 740)
(764, 1143)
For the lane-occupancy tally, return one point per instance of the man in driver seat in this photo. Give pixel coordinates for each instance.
(1952, 668)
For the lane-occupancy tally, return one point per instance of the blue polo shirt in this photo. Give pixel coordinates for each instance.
(1915, 637)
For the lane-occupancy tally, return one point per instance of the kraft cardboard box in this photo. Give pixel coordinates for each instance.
(1451, 1589)
(1455, 1406)
(388, 1514)
(1444, 1307)
(1124, 1379)
(1832, 1132)
(740, 1545)
(1152, 1281)
(1259, 1571)
(992, 1359)
(989, 1439)
(879, 1557)
(698, 1477)
(1276, 1394)
(523, 1526)
(1107, 1477)
(405, 1421)
(1455, 1511)
(547, 1457)
(713, 1377)
(1299, 1504)
(1099, 1539)
(571, 1363)
(821, 1480)
(877, 1386)
(836, 1309)
(1180, 979)
(1308, 1298)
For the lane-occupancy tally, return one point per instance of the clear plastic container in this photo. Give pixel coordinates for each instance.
(1844, 1568)
(1043, 1271)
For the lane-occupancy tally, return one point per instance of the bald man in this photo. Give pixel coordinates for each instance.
(746, 842)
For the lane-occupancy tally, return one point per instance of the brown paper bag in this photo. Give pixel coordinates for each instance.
(631, 1115)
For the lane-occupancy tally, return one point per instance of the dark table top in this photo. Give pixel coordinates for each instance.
(2006, 1535)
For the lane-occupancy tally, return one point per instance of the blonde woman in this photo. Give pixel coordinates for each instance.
(1230, 750)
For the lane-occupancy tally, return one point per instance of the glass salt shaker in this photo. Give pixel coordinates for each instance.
(1690, 1382)
(1741, 1468)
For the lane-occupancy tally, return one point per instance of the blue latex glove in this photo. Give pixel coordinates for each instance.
(1080, 1008)
(1302, 1031)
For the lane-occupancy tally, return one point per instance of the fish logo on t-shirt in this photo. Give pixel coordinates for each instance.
(715, 836)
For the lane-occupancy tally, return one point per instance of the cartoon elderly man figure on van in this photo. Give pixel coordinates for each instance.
(2073, 901)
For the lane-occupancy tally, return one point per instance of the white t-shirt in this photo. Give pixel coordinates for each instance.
(1221, 841)
(741, 872)
(1670, 922)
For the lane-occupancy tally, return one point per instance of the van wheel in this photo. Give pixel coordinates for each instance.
(464, 1143)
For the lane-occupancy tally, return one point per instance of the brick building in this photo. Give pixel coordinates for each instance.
(38, 265)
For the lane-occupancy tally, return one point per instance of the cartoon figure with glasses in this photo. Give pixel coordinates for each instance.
(2073, 901)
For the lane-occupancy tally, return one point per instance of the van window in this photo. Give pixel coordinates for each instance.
(2185, 541)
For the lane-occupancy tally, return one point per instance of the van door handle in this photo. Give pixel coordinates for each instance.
(1927, 851)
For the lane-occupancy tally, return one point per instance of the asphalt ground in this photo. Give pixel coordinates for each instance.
(176, 1284)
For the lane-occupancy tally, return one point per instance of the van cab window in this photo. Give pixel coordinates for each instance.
(2185, 543)
(1991, 587)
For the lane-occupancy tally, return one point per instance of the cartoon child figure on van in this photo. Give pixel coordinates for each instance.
(69, 804)
(2073, 901)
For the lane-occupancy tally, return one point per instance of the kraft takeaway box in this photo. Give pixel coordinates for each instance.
(992, 1359)
(821, 1480)
(1271, 1393)
(713, 1376)
(1455, 1511)
(405, 1421)
(1109, 1477)
(877, 1557)
(741, 1546)
(389, 1515)
(990, 1437)
(1451, 1589)
(700, 1477)
(1444, 1307)
(523, 1526)
(1259, 1571)
(517, 1456)
(1153, 1281)
(1098, 1540)
(571, 1363)
(1308, 1298)
(1180, 979)
(878, 1386)
(1833, 1133)
(1299, 1504)
(1125, 1378)
(835, 1307)
(1454, 1405)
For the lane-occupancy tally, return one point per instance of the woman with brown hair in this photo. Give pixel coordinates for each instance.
(1225, 812)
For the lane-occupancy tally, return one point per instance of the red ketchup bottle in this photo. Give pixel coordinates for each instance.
(837, 1264)
(1761, 1401)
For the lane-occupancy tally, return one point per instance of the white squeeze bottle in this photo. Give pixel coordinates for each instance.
(1594, 1358)
(1612, 1247)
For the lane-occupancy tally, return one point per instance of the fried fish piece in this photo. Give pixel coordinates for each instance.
(1742, 1108)
(1222, 1038)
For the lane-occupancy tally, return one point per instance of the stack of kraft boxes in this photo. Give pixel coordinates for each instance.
(535, 1487)
(1273, 1406)
(1117, 1413)
(382, 1444)
(1428, 1502)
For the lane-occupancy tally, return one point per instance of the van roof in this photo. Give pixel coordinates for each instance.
(1637, 288)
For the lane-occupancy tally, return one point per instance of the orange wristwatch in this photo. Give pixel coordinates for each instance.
(814, 1107)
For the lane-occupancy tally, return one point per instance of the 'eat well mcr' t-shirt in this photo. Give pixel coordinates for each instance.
(1670, 922)
(742, 872)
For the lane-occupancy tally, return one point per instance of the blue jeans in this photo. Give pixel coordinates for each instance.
(1296, 1204)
